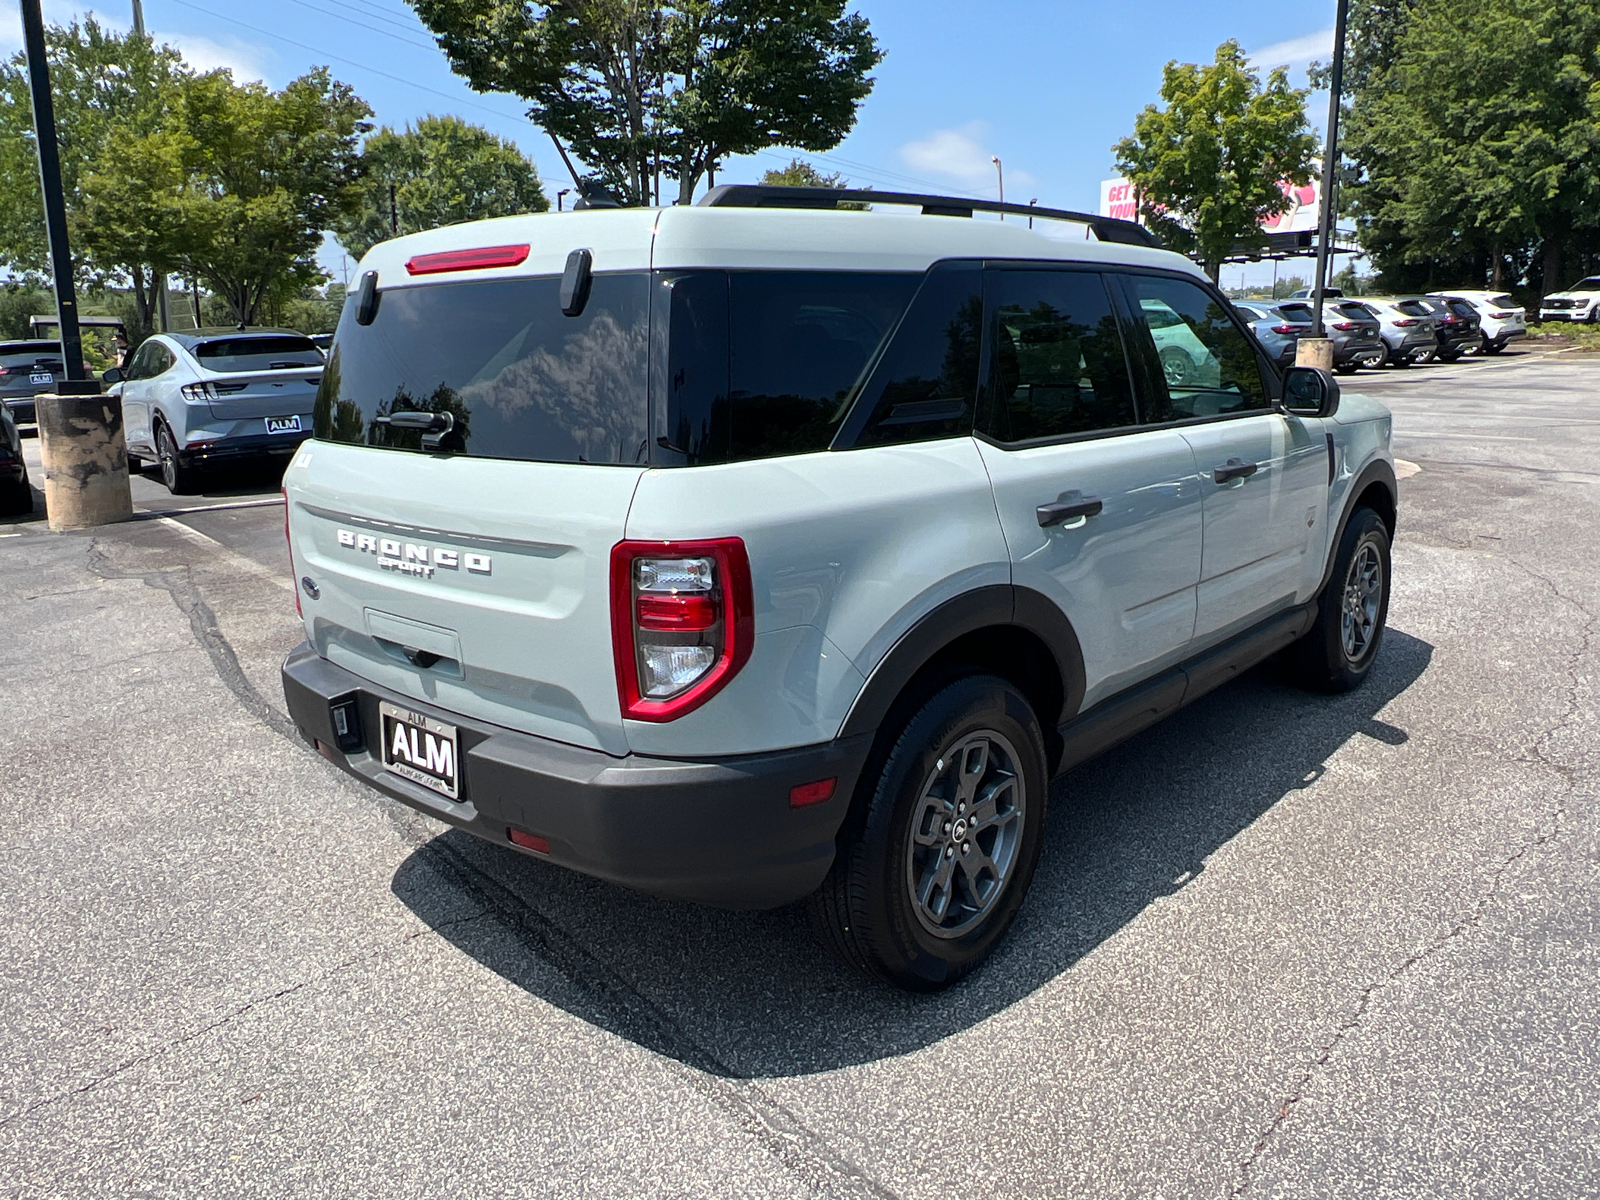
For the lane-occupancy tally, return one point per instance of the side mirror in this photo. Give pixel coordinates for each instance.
(1310, 392)
(114, 375)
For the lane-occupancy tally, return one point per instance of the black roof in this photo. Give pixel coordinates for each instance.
(190, 338)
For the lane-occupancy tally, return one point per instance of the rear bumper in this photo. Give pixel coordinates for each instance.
(276, 445)
(717, 831)
(22, 410)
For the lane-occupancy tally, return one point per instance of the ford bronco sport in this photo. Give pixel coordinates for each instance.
(747, 552)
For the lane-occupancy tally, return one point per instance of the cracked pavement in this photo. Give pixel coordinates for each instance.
(1280, 946)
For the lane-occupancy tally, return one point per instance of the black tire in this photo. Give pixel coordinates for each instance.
(180, 480)
(1330, 657)
(1493, 347)
(1400, 360)
(1345, 369)
(1452, 354)
(898, 838)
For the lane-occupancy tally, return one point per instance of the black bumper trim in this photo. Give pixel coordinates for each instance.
(718, 831)
(262, 445)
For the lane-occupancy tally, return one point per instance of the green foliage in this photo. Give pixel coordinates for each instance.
(1478, 143)
(644, 88)
(800, 173)
(18, 302)
(443, 171)
(1207, 168)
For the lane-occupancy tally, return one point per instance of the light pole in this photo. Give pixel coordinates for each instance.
(1000, 177)
(561, 198)
(1031, 204)
(1330, 171)
(80, 432)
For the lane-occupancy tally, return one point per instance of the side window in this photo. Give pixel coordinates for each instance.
(926, 384)
(1209, 366)
(1058, 362)
(140, 367)
(162, 360)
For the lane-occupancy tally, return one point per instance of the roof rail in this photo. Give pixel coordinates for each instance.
(752, 195)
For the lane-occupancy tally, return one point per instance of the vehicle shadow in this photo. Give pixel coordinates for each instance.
(754, 995)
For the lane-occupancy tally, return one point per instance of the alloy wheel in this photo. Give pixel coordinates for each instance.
(1363, 595)
(966, 829)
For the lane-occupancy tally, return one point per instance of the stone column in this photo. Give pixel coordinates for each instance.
(85, 460)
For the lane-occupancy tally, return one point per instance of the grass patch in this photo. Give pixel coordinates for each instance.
(1585, 338)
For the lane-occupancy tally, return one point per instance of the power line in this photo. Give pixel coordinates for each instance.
(349, 62)
(363, 25)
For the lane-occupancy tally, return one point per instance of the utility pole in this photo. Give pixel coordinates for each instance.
(1000, 176)
(80, 432)
(138, 17)
(394, 214)
(1330, 171)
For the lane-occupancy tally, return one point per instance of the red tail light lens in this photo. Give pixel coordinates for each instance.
(1286, 329)
(682, 623)
(1345, 326)
(1406, 322)
(467, 260)
(294, 577)
(1501, 316)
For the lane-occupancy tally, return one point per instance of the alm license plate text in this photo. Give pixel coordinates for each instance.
(283, 424)
(41, 377)
(420, 749)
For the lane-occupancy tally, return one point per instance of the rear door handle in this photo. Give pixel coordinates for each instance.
(1234, 468)
(1066, 510)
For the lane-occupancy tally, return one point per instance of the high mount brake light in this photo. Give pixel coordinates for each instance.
(682, 623)
(467, 260)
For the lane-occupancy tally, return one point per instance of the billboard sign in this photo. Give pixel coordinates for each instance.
(1117, 200)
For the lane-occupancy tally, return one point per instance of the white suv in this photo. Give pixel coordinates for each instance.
(1580, 302)
(1504, 320)
(744, 553)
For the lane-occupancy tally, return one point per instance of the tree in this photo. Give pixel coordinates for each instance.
(443, 171)
(800, 173)
(263, 174)
(1479, 143)
(1209, 168)
(109, 92)
(638, 89)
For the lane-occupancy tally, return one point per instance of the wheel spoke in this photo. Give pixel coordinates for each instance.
(980, 876)
(987, 810)
(974, 762)
(934, 893)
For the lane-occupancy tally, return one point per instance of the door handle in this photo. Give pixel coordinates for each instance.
(1066, 510)
(1234, 468)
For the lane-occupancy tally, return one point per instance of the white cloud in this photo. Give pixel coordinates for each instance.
(1296, 52)
(958, 154)
(203, 54)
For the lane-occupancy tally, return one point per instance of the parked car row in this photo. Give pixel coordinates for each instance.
(1374, 331)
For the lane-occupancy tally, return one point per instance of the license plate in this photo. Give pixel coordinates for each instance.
(283, 424)
(420, 749)
(41, 377)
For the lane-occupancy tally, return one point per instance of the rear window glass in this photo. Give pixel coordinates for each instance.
(1356, 312)
(258, 354)
(1502, 301)
(1414, 308)
(764, 363)
(43, 358)
(509, 375)
(1296, 312)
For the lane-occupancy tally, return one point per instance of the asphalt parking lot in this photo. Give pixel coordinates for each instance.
(1280, 946)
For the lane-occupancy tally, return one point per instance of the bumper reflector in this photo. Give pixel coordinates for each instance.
(529, 841)
(804, 795)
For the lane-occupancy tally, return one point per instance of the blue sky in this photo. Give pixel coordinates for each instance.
(1048, 87)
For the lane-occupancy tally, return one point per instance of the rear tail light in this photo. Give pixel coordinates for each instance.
(1406, 323)
(1345, 326)
(294, 576)
(197, 391)
(682, 623)
(1501, 316)
(1286, 329)
(528, 841)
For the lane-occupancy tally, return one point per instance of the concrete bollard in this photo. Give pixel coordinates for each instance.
(1314, 352)
(85, 460)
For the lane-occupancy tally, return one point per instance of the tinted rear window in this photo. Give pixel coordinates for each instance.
(1502, 301)
(518, 378)
(258, 354)
(1414, 308)
(32, 358)
(763, 363)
